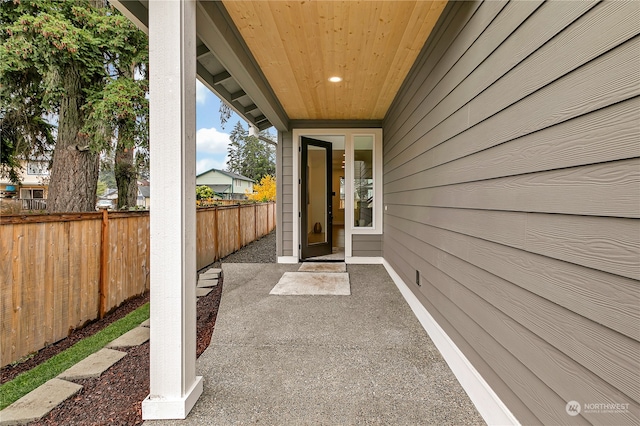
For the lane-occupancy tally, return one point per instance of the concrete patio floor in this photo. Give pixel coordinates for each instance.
(322, 360)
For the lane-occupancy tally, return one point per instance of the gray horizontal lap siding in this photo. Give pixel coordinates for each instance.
(511, 180)
(366, 245)
(284, 199)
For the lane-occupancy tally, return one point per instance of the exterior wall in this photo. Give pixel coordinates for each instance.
(511, 181)
(284, 199)
(242, 186)
(30, 178)
(364, 245)
(144, 202)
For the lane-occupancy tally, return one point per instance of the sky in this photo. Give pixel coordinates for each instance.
(211, 138)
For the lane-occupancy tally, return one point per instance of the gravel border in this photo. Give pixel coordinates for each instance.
(262, 250)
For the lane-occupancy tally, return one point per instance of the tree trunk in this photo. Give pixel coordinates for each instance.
(125, 169)
(74, 173)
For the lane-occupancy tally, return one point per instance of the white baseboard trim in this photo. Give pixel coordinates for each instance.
(287, 259)
(159, 408)
(489, 405)
(363, 260)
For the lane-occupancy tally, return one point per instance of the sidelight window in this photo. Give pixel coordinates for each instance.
(363, 191)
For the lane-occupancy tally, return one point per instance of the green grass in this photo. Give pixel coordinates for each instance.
(29, 380)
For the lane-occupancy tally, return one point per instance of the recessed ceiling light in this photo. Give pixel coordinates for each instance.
(335, 79)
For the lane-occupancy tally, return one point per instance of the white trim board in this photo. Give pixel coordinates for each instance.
(287, 259)
(363, 260)
(487, 402)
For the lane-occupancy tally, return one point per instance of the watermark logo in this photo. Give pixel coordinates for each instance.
(573, 408)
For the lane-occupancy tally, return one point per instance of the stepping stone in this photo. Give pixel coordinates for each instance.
(146, 323)
(323, 267)
(215, 272)
(37, 403)
(208, 276)
(207, 283)
(134, 337)
(200, 292)
(93, 365)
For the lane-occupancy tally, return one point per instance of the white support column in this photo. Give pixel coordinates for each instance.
(172, 62)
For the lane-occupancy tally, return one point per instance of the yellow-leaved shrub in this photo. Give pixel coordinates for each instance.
(263, 191)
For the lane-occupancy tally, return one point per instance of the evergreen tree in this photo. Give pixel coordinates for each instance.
(236, 147)
(249, 156)
(257, 160)
(61, 58)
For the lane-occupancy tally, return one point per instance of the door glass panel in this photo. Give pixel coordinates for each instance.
(317, 199)
(363, 181)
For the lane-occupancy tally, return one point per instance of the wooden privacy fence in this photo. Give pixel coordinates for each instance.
(225, 229)
(59, 271)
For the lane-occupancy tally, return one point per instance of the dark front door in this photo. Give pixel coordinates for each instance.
(316, 198)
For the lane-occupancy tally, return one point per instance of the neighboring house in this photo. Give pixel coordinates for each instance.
(226, 185)
(108, 200)
(496, 146)
(33, 187)
(144, 196)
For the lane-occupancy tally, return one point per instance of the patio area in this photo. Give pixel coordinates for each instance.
(357, 359)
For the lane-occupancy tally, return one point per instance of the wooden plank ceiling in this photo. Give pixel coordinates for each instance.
(371, 45)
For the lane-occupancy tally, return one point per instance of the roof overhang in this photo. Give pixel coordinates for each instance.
(224, 63)
(270, 60)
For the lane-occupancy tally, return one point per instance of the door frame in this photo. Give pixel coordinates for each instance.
(348, 134)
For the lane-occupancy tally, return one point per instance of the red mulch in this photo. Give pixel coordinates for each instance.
(9, 372)
(115, 398)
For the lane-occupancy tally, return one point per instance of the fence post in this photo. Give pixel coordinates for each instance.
(239, 228)
(217, 234)
(255, 221)
(104, 263)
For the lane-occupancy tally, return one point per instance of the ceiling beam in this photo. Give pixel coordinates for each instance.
(208, 80)
(264, 125)
(217, 31)
(237, 95)
(244, 110)
(336, 124)
(202, 51)
(259, 119)
(221, 77)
